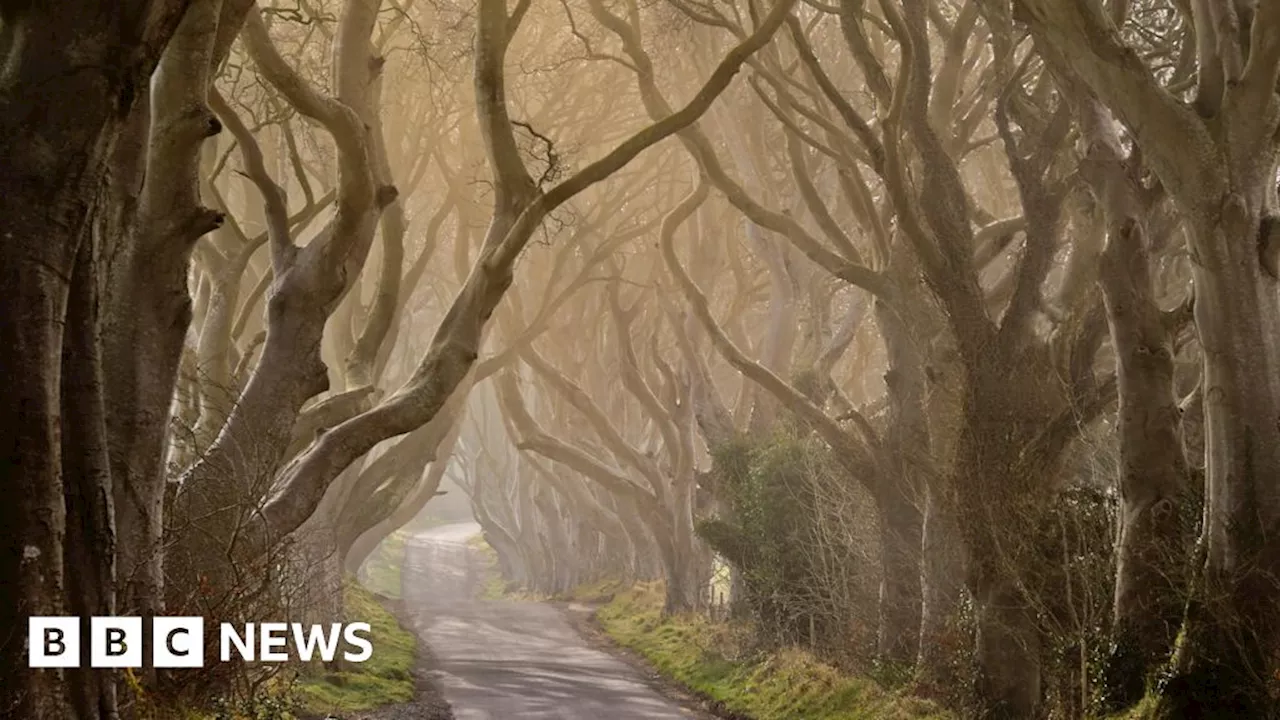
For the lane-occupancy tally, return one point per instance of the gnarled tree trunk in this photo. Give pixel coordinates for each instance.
(147, 307)
(1152, 553)
(54, 59)
(90, 560)
(1217, 160)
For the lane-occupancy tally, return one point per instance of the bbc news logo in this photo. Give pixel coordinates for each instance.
(178, 642)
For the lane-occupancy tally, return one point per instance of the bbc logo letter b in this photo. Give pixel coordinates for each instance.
(115, 642)
(177, 642)
(53, 642)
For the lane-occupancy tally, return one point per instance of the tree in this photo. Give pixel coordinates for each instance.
(520, 207)
(61, 538)
(1157, 499)
(1215, 154)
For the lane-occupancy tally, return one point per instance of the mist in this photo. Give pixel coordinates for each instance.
(930, 348)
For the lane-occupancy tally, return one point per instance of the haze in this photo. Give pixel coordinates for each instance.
(861, 358)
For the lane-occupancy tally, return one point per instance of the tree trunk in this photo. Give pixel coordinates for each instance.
(362, 363)
(147, 307)
(91, 537)
(36, 261)
(1151, 555)
(1229, 656)
(942, 586)
(943, 555)
(1216, 157)
(899, 486)
(1007, 649)
(222, 488)
(1153, 542)
(1001, 510)
(999, 533)
(563, 559)
(899, 607)
(54, 162)
(511, 561)
(525, 526)
(681, 595)
(367, 540)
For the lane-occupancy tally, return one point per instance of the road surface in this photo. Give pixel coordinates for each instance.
(508, 660)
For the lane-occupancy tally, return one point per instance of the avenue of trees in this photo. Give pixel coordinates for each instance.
(949, 328)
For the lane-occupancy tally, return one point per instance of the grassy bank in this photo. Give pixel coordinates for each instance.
(700, 655)
(316, 691)
(381, 572)
(494, 586)
(1142, 711)
(384, 679)
(787, 685)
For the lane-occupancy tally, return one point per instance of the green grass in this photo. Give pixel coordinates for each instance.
(478, 542)
(382, 569)
(384, 679)
(1141, 711)
(601, 591)
(787, 685)
(494, 587)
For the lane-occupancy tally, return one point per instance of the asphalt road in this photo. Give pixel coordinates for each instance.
(508, 660)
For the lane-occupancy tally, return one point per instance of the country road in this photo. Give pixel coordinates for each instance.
(509, 660)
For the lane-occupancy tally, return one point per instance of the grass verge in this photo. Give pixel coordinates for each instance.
(1144, 710)
(495, 587)
(381, 572)
(786, 685)
(384, 679)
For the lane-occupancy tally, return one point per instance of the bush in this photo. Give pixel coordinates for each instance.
(798, 529)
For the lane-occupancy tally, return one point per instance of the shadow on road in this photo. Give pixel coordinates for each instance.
(508, 660)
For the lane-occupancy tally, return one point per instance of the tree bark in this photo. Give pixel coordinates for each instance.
(237, 471)
(942, 589)
(1229, 656)
(36, 262)
(147, 307)
(998, 522)
(90, 561)
(1217, 159)
(54, 59)
(368, 539)
(1152, 552)
(361, 362)
(900, 481)
(898, 510)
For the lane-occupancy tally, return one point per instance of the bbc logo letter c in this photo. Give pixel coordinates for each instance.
(177, 642)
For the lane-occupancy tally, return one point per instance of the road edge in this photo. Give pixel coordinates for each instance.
(428, 702)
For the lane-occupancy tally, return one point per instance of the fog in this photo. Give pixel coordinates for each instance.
(940, 339)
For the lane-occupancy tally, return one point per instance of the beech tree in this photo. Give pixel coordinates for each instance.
(948, 327)
(59, 555)
(1214, 152)
(520, 208)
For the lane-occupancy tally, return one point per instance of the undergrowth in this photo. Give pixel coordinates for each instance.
(384, 679)
(712, 659)
(381, 572)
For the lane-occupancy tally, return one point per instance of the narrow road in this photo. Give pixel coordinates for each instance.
(508, 660)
